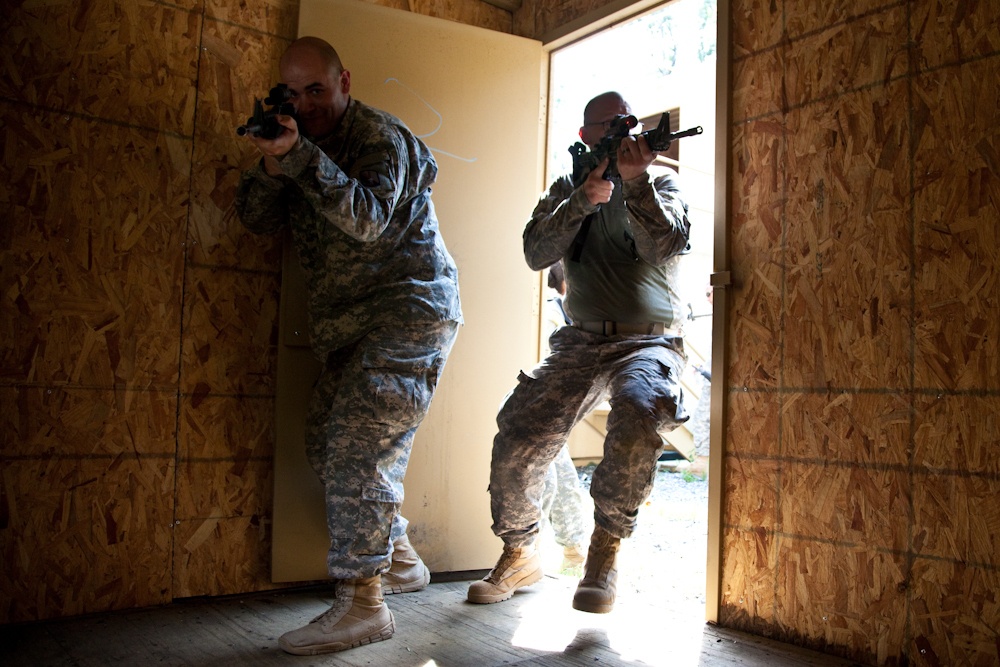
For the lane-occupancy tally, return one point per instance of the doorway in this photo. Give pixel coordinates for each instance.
(661, 60)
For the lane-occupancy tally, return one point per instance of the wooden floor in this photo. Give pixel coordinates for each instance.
(434, 627)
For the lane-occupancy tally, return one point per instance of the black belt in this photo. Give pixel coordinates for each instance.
(612, 328)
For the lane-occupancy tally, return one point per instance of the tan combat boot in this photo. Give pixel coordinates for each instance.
(358, 616)
(517, 568)
(407, 572)
(596, 591)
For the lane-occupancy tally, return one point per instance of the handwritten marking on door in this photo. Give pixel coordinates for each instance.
(440, 118)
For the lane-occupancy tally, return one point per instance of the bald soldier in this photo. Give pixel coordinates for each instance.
(353, 184)
(619, 242)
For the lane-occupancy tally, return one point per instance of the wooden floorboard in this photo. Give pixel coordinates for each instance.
(436, 627)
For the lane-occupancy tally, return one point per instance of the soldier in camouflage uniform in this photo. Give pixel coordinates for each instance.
(625, 345)
(354, 185)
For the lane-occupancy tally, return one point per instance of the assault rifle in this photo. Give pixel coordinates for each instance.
(659, 140)
(264, 124)
(584, 161)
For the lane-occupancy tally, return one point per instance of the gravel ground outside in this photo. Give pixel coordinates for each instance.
(666, 556)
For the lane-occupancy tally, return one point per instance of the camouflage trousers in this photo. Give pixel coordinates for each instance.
(701, 420)
(365, 409)
(639, 375)
(562, 502)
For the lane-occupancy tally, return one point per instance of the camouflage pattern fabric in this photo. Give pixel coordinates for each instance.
(562, 502)
(639, 375)
(701, 420)
(359, 206)
(644, 227)
(365, 409)
(628, 268)
(384, 310)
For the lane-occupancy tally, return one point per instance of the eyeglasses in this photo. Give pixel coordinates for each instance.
(605, 125)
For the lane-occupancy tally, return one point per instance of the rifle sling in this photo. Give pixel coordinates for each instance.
(581, 237)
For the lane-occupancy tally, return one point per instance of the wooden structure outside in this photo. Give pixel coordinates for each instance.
(861, 375)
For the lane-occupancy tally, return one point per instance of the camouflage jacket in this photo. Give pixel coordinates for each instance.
(359, 206)
(627, 268)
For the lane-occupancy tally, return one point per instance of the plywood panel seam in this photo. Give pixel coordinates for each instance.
(929, 471)
(786, 40)
(846, 544)
(55, 456)
(235, 269)
(956, 64)
(248, 28)
(66, 385)
(912, 69)
(752, 119)
(226, 459)
(783, 291)
(67, 114)
(241, 395)
(976, 565)
(824, 463)
(847, 20)
(175, 585)
(825, 99)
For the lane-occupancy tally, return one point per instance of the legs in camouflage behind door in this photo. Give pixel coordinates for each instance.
(563, 507)
(639, 376)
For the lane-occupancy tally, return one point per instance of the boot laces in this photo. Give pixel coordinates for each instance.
(605, 556)
(507, 558)
(340, 601)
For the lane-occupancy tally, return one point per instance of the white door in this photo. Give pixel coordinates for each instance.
(475, 97)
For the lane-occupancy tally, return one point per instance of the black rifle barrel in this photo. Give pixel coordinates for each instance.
(691, 131)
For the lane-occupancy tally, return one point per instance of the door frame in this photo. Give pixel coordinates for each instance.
(607, 16)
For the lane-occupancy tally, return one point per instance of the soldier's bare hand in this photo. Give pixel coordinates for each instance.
(598, 190)
(634, 157)
(284, 142)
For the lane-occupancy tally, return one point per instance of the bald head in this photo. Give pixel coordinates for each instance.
(598, 112)
(314, 47)
(603, 104)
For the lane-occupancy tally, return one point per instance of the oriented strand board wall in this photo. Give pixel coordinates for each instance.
(863, 449)
(138, 319)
